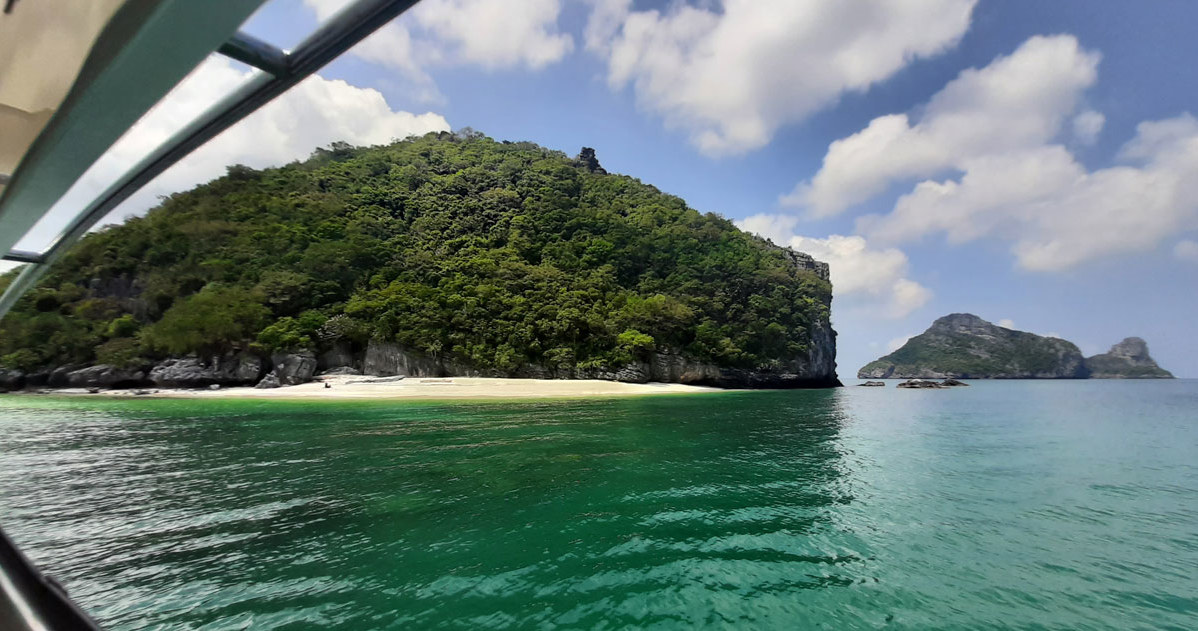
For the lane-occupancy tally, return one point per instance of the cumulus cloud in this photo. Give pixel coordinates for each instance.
(493, 34)
(1007, 323)
(496, 33)
(1087, 126)
(1186, 250)
(1056, 213)
(732, 75)
(390, 46)
(995, 131)
(1016, 102)
(861, 274)
(314, 113)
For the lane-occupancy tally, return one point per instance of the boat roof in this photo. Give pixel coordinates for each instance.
(75, 77)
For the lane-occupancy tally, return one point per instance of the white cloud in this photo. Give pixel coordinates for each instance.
(493, 34)
(1186, 250)
(314, 113)
(606, 19)
(496, 33)
(1007, 323)
(390, 46)
(1087, 126)
(1055, 213)
(1016, 102)
(1054, 334)
(865, 276)
(996, 131)
(733, 74)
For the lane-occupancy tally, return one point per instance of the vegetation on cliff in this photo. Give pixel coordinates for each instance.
(493, 254)
(965, 346)
(1128, 359)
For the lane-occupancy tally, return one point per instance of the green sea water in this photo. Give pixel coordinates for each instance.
(1005, 505)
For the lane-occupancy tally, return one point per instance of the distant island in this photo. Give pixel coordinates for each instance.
(1128, 359)
(451, 254)
(964, 346)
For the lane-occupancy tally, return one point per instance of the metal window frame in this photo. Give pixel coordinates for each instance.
(144, 49)
(31, 601)
(281, 72)
(27, 598)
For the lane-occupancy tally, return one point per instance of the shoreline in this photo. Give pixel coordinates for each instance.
(354, 387)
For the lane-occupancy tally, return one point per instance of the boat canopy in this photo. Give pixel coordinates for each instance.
(74, 77)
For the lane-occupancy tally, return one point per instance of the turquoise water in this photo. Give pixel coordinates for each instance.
(1017, 505)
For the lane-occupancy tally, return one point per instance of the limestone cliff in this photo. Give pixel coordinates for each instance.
(816, 368)
(1128, 359)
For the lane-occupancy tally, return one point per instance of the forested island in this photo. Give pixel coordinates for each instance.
(448, 254)
(964, 346)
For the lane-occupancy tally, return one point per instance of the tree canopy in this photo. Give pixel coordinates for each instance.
(494, 254)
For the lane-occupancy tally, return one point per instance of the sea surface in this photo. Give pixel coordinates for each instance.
(1004, 505)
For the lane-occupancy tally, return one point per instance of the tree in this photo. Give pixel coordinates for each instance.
(214, 320)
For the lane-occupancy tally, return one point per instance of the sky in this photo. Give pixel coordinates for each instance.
(1034, 163)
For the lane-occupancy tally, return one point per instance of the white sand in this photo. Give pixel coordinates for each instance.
(429, 388)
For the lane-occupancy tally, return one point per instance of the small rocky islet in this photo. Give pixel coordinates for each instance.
(964, 346)
(917, 384)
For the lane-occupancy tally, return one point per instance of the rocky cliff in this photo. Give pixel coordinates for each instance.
(964, 346)
(814, 369)
(1128, 359)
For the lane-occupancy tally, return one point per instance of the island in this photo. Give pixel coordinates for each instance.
(447, 255)
(964, 346)
(1128, 359)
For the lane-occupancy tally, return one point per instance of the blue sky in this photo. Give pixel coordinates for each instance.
(1022, 160)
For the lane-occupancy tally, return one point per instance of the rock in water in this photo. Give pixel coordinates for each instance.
(873, 384)
(1128, 359)
(918, 383)
(965, 346)
(952, 382)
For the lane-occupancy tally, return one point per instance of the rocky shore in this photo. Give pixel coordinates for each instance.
(242, 369)
(817, 369)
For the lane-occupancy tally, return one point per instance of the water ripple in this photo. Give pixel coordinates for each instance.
(993, 507)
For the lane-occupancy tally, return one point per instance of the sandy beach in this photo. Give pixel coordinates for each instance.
(361, 387)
